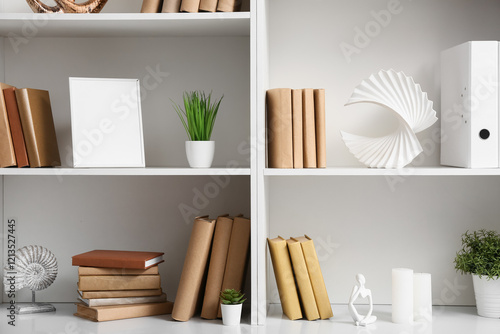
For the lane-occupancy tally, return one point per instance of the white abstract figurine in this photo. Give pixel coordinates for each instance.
(360, 290)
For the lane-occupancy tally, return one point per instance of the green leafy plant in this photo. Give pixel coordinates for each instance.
(232, 297)
(480, 254)
(199, 114)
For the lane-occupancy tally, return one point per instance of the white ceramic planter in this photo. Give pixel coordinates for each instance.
(231, 314)
(487, 294)
(200, 154)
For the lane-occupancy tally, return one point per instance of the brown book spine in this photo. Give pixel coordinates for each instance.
(7, 152)
(118, 259)
(189, 289)
(116, 312)
(94, 271)
(151, 6)
(119, 293)
(208, 5)
(104, 283)
(190, 6)
(16, 127)
(218, 257)
(279, 125)
(298, 156)
(229, 5)
(171, 6)
(319, 111)
(309, 128)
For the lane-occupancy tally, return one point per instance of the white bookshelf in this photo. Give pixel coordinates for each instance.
(404, 172)
(150, 171)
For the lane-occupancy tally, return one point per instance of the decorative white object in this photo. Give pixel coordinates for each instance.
(357, 291)
(402, 296)
(422, 297)
(199, 153)
(399, 93)
(106, 122)
(35, 267)
(231, 314)
(487, 292)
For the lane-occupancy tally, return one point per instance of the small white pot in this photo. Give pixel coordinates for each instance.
(487, 294)
(231, 314)
(200, 154)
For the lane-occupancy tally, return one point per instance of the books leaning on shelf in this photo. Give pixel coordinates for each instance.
(193, 6)
(296, 128)
(152, 6)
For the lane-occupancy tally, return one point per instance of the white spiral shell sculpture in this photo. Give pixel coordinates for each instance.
(35, 267)
(399, 93)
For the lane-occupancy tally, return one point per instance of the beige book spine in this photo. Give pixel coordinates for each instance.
(229, 5)
(114, 312)
(95, 271)
(319, 111)
(309, 128)
(119, 293)
(7, 153)
(279, 125)
(171, 6)
(298, 156)
(284, 278)
(101, 283)
(306, 292)
(92, 302)
(190, 6)
(208, 5)
(189, 289)
(151, 6)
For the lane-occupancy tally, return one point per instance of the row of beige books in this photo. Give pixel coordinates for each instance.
(27, 131)
(300, 283)
(296, 134)
(190, 6)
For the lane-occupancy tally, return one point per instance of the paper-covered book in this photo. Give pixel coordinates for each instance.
(123, 300)
(116, 312)
(118, 259)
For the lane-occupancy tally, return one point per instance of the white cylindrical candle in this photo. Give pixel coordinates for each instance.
(422, 297)
(402, 296)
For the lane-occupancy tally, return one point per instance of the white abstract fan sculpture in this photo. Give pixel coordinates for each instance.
(399, 93)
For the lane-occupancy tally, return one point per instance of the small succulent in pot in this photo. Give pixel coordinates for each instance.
(232, 297)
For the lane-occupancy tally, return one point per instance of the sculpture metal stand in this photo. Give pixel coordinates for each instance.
(360, 290)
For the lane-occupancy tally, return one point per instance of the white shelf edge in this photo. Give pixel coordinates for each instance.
(125, 16)
(151, 171)
(361, 171)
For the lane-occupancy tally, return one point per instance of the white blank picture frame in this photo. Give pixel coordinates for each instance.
(106, 122)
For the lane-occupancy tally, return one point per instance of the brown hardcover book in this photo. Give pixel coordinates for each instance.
(92, 302)
(218, 257)
(285, 281)
(116, 312)
(237, 256)
(38, 127)
(16, 127)
(151, 6)
(7, 151)
(106, 283)
(95, 271)
(309, 128)
(195, 263)
(171, 6)
(316, 277)
(118, 259)
(298, 156)
(279, 125)
(208, 5)
(190, 6)
(319, 111)
(229, 5)
(119, 293)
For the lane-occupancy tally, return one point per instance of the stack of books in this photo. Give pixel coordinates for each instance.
(190, 6)
(296, 128)
(116, 285)
(296, 265)
(27, 132)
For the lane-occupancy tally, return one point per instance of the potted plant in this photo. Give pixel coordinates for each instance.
(198, 119)
(231, 304)
(480, 256)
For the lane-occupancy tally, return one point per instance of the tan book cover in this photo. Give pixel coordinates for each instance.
(100, 283)
(118, 259)
(16, 129)
(171, 6)
(151, 6)
(304, 286)
(95, 271)
(7, 151)
(309, 128)
(298, 156)
(319, 111)
(119, 293)
(237, 256)
(38, 127)
(195, 263)
(317, 281)
(116, 312)
(218, 257)
(279, 125)
(285, 281)
(208, 5)
(229, 5)
(92, 302)
(190, 6)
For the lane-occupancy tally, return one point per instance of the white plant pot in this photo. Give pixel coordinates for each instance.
(487, 296)
(200, 154)
(231, 314)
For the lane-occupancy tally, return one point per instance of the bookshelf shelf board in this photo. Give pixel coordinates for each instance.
(30, 25)
(152, 171)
